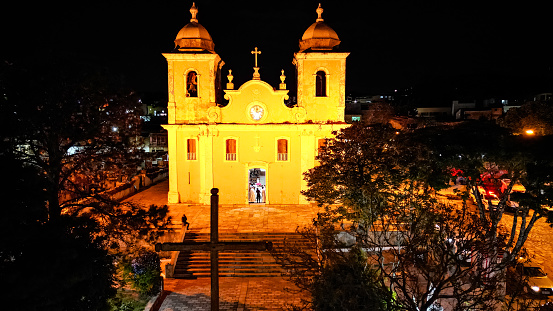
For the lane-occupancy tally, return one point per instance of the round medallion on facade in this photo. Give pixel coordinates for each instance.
(256, 112)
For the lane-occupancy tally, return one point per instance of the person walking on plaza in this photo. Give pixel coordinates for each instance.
(185, 221)
(258, 196)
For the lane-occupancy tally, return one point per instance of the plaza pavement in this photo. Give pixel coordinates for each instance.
(236, 293)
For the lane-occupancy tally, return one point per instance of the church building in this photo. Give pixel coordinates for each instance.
(245, 140)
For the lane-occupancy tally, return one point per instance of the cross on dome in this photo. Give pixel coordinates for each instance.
(194, 11)
(319, 13)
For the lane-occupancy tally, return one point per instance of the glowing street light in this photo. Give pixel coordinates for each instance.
(529, 132)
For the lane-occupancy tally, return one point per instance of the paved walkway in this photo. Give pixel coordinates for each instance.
(256, 293)
(235, 294)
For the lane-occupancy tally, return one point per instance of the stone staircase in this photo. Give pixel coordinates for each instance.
(196, 264)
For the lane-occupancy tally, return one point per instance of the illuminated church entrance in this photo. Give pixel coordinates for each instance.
(257, 190)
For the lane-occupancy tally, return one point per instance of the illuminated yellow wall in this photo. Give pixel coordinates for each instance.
(256, 148)
(314, 118)
(332, 106)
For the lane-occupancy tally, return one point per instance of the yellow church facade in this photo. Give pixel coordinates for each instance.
(246, 141)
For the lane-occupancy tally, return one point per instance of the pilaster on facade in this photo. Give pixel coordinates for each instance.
(173, 195)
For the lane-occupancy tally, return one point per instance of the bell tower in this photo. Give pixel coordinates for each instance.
(321, 73)
(194, 74)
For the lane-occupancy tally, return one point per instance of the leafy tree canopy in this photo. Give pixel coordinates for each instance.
(536, 116)
(67, 128)
(385, 184)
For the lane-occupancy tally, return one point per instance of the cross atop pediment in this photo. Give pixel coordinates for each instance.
(256, 75)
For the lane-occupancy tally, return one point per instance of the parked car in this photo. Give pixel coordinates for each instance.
(535, 281)
(511, 205)
(548, 306)
(489, 198)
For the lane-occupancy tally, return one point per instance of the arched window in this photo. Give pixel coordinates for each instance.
(320, 84)
(231, 150)
(192, 84)
(282, 150)
(191, 149)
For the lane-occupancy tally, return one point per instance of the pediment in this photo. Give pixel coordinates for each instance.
(255, 102)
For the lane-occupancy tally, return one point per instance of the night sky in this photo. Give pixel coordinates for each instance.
(485, 48)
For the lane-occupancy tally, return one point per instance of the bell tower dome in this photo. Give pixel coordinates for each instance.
(319, 36)
(193, 36)
(321, 73)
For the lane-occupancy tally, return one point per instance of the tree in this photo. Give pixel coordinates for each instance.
(333, 278)
(385, 185)
(348, 283)
(143, 272)
(535, 115)
(62, 266)
(76, 127)
(486, 153)
(66, 127)
(47, 266)
(365, 165)
(379, 112)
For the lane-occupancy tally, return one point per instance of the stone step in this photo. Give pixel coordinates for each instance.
(241, 274)
(229, 263)
(251, 269)
(228, 259)
(196, 264)
(243, 238)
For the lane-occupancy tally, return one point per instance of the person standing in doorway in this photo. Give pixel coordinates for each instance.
(251, 196)
(258, 195)
(263, 196)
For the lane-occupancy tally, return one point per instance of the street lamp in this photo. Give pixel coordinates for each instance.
(529, 132)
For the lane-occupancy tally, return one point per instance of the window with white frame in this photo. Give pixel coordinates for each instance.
(230, 149)
(321, 143)
(191, 149)
(282, 149)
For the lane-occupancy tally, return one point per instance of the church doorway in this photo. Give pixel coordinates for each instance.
(257, 189)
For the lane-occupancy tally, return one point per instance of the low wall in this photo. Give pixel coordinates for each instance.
(138, 183)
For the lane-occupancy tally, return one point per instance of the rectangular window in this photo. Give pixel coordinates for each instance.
(321, 143)
(231, 150)
(282, 150)
(191, 149)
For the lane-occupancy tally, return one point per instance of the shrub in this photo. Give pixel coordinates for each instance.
(143, 273)
(348, 283)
